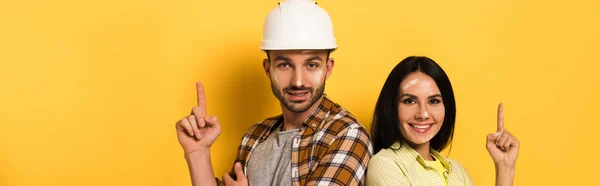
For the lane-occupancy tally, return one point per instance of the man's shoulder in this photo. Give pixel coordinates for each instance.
(263, 125)
(340, 119)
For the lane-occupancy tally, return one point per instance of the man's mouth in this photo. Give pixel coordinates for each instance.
(297, 95)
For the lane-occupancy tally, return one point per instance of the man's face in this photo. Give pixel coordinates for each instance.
(298, 76)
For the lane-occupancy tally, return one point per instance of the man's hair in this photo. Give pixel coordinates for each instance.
(327, 59)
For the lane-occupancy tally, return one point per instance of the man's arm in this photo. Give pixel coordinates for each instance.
(196, 133)
(345, 161)
(200, 168)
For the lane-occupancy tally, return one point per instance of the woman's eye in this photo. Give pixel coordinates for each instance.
(409, 101)
(435, 101)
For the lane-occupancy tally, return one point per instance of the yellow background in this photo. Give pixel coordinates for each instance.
(91, 90)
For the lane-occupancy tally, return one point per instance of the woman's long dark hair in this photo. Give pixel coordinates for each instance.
(385, 128)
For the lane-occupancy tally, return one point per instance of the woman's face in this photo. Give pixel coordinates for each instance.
(420, 109)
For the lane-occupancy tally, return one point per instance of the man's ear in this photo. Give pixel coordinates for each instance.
(330, 63)
(266, 66)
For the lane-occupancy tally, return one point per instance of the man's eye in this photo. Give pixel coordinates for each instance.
(313, 65)
(283, 65)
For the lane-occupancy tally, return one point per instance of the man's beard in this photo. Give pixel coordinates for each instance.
(290, 104)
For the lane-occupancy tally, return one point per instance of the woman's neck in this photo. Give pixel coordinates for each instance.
(423, 150)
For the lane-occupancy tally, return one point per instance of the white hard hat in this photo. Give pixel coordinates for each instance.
(298, 24)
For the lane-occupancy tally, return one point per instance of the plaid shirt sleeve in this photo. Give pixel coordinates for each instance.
(219, 182)
(248, 140)
(345, 160)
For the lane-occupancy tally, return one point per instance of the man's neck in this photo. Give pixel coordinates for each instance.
(293, 120)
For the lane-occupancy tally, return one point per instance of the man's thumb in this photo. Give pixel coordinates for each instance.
(239, 172)
(213, 121)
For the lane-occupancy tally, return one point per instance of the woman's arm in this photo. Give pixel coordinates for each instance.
(504, 149)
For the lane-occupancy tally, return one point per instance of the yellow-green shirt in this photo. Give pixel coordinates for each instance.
(402, 165)
(439, 168)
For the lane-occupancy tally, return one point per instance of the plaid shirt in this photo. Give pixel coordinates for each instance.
(332, 148)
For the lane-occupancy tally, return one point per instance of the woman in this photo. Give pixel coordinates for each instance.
(414, 121)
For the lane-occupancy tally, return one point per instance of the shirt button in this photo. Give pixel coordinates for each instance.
(314, 125)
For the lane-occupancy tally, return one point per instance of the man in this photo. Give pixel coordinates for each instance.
(314, 141)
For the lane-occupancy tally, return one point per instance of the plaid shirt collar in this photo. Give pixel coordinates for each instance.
(312, 121)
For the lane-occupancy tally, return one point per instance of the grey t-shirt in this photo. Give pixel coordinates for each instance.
(270, 163)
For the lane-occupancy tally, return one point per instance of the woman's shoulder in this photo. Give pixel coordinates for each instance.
(459, 173)
(398, 153)
(385, 169)
(454, 163)
(456, 167)
(394, 155)
(384, 155)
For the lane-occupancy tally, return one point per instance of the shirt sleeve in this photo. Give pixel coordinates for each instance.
(219, 182)
(244, 149)
(345, 160)
(384, 171)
